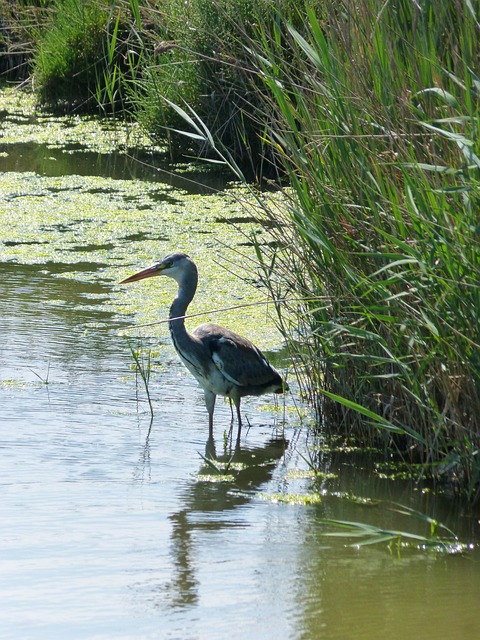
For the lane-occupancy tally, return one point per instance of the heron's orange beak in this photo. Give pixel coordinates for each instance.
(145, 273)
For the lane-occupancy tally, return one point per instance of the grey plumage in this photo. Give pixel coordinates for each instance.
(223, 362)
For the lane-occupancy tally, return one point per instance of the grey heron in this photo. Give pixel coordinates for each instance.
(223, 362)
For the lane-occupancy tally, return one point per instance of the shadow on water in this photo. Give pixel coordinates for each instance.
(49, 161)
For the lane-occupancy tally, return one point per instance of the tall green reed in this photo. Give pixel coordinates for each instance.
(374, 117)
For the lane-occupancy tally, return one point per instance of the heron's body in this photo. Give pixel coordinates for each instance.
(224, 363)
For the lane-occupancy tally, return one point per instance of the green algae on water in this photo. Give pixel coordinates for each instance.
(24, 122)
(104, 229)
(215, 478)
(298, 474)
(119, 226)
(292, 498)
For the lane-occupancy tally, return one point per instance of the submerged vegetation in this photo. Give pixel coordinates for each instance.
(367, 117)
(366, 534)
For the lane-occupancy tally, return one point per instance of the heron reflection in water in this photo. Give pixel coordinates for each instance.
(224, 363)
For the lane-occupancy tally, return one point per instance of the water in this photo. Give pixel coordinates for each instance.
(56, 162)
(101, 526)
(110, 530)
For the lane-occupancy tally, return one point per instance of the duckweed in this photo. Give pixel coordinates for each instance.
(292, 498)
(297, 474)
(215, 478)
(106, 228)
(24, 122)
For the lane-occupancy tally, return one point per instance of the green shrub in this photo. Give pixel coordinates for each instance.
(83, 55)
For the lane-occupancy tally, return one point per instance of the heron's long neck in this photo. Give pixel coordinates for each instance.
(186, 290)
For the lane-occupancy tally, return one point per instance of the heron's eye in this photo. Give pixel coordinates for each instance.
(168, 264)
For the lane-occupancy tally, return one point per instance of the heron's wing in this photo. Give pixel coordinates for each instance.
(240, 361)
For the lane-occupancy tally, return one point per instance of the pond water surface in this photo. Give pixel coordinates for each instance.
(113, 525)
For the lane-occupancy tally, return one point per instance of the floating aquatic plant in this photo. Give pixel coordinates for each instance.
(292, 498)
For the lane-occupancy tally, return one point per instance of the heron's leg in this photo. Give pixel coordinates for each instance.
(210, 402)
(230, 431)
(239, 418)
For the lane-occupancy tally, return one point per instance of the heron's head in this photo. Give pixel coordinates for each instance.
(175, 265)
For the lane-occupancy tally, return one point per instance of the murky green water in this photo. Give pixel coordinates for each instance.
(106, 532)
